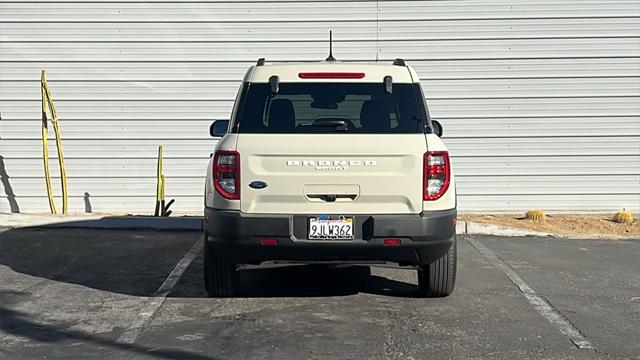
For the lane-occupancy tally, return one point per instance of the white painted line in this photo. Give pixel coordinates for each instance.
(130, 334)
(539, 303)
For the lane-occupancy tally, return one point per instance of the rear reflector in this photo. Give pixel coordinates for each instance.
(392, 242)
(268, 242)
(331, 75)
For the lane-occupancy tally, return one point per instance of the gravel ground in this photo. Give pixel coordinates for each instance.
(580, 225)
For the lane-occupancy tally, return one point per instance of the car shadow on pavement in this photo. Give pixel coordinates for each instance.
(136, 262)
(299, 281)
(130, 262)
(21, 325)
(318, 280)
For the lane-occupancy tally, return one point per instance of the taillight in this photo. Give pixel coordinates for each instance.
(226, 174)
(437, 174)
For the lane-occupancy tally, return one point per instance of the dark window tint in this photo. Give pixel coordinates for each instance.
(300, 108)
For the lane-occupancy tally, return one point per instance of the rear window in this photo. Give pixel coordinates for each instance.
(301, 108)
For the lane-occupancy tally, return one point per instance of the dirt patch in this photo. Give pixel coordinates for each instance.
(593, 226)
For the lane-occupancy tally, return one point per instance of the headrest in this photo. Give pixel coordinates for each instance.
(281, 115)
(374, 116)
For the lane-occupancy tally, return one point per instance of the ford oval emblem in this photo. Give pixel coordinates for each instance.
(258, 185)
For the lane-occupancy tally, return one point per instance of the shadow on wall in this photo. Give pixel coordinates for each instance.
(8, 190)
(87, 203)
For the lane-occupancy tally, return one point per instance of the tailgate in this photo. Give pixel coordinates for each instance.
(332, 173)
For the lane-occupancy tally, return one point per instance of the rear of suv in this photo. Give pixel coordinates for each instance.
(330, 163)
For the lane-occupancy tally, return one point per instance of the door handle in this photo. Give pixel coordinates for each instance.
(333, 197)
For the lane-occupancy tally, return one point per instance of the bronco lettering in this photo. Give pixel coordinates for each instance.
(338, 163)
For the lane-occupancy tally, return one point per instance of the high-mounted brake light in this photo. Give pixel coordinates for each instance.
(226, 174)
(437, 174)
(331, 75)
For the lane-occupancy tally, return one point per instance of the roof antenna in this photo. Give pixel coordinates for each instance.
(330, 57)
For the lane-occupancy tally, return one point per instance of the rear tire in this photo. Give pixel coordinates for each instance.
(439, 278)
(220, 275)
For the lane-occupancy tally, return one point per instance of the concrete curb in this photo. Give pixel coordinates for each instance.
(195, 223)
(473, 228)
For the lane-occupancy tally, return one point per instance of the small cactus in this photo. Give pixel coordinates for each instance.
(623, 217)
(535, 215)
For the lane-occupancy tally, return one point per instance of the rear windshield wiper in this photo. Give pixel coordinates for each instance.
(337, 123)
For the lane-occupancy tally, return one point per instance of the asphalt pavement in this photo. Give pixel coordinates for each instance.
(138, 294)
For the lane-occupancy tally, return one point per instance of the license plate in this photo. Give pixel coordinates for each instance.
(325, 227)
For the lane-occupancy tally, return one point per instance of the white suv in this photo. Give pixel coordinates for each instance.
(330, 162)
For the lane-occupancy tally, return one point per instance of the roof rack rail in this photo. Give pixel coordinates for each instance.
(260, 62)
(399, 62)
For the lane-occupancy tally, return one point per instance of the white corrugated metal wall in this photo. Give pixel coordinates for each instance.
(540, 99)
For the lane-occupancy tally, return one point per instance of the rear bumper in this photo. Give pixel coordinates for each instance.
(424, 238)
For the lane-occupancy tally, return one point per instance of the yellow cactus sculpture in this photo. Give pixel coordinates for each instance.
(535, 215)
(623, 217)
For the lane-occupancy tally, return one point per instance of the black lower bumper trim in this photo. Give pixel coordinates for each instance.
(423, 238)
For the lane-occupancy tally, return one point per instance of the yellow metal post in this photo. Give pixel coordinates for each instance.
(47, 102)
(45, 146)
(159, 184)
(162, 207)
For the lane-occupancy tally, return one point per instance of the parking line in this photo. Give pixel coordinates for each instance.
(142, 319)
(541, 305)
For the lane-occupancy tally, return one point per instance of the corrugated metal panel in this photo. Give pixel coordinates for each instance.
(456, 128)
(437, 89)
(489, 167)
(182, 185)
(209, 70)
(540, 99)
(313, 31)
(481, 148)
(443, 109)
